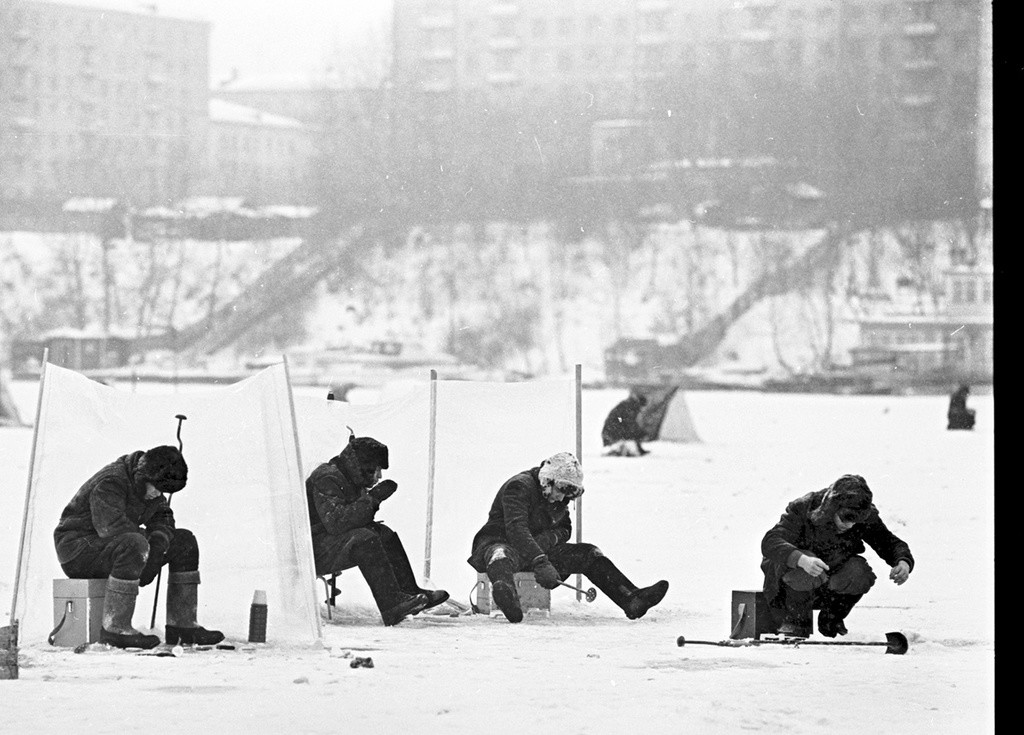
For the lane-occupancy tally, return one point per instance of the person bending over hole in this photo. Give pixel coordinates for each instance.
(812, 557)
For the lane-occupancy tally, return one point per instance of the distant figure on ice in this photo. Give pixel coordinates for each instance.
(343, 495)
(120, 526)
(812, 557)
(622, 433)
(959, 416)
(528, 530)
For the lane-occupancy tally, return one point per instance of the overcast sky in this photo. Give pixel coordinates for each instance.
(260, 37)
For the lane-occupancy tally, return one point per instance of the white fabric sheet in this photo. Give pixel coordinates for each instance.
(245, 499)
(484, 433)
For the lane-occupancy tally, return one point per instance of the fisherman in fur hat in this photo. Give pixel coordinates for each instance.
(528, 530)
(119, 526)
(812, 557)
(343, 495)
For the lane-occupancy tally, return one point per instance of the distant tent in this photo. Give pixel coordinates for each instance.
(666, 416)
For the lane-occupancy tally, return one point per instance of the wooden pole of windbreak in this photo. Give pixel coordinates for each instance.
(28, 488)
(431, 446)
(579, 456)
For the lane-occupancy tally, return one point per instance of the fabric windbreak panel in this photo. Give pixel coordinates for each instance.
(487, 432)
(401, 421)
(244, 499)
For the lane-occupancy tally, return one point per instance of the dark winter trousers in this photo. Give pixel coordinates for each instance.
(126, 556)
(835, 591)
(586, 559)
(378, 552)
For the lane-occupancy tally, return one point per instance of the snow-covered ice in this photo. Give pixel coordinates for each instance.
(693, 514)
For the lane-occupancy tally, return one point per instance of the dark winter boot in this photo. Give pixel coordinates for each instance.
(503, 589)
(403, 570)
(118, 610)
(834, 609)
(799, 616)
(633, 601)
(394, 605)
(182, 602)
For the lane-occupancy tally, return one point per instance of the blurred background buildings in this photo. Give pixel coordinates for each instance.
(602, 118)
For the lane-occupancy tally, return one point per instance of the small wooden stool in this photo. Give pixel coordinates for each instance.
(77, 611)
(750, 615)
(531, 595)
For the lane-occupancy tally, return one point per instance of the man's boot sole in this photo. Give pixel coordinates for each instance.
(507, 600)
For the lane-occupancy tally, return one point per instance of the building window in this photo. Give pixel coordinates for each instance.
(565, 27)
(655, 21)
(594, 24)
(504, 26)
(622, 25)
(921, 12)
(986, 291)
(540, 27)
(565, 61)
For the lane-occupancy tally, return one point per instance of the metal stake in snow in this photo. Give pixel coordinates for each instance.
(895, 642)
(159, 572)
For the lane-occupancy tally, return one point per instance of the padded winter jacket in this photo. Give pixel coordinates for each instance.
(110, 503)
(336, 494)
(520, 516)
(622, 422)
(796, 532)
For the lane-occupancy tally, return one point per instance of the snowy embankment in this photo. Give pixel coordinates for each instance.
(693, 514)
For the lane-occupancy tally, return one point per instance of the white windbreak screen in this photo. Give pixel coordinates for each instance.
(485, 433)
(244, 500)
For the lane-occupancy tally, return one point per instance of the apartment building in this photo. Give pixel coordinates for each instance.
(257, 155)
(875, 99)
(100, 99)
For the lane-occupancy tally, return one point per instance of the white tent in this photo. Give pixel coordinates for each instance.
(665, 416)
(677, 426)
(244, 499)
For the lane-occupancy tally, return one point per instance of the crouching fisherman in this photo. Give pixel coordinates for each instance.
(343, 495)
(528, 530)
(119, 526)
(812, 557)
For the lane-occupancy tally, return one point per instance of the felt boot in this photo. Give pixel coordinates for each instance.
(834, 610)
(503, 589)
(635, 602)
(118, 610)
(404, 574)
(393, 603)
(182, 602)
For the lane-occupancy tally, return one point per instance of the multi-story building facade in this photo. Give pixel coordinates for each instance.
(260, 156)
(874, 101)
(100, 99)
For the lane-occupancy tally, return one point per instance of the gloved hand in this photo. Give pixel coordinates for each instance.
(383, 490)
(546, 539)
(546, 574)
(159, 542)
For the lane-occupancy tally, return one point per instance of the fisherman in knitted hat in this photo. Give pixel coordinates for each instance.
(119, 526)
(528, 530)
(343, 495)
(812, 557)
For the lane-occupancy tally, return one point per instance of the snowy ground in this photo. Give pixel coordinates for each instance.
(693, 514)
